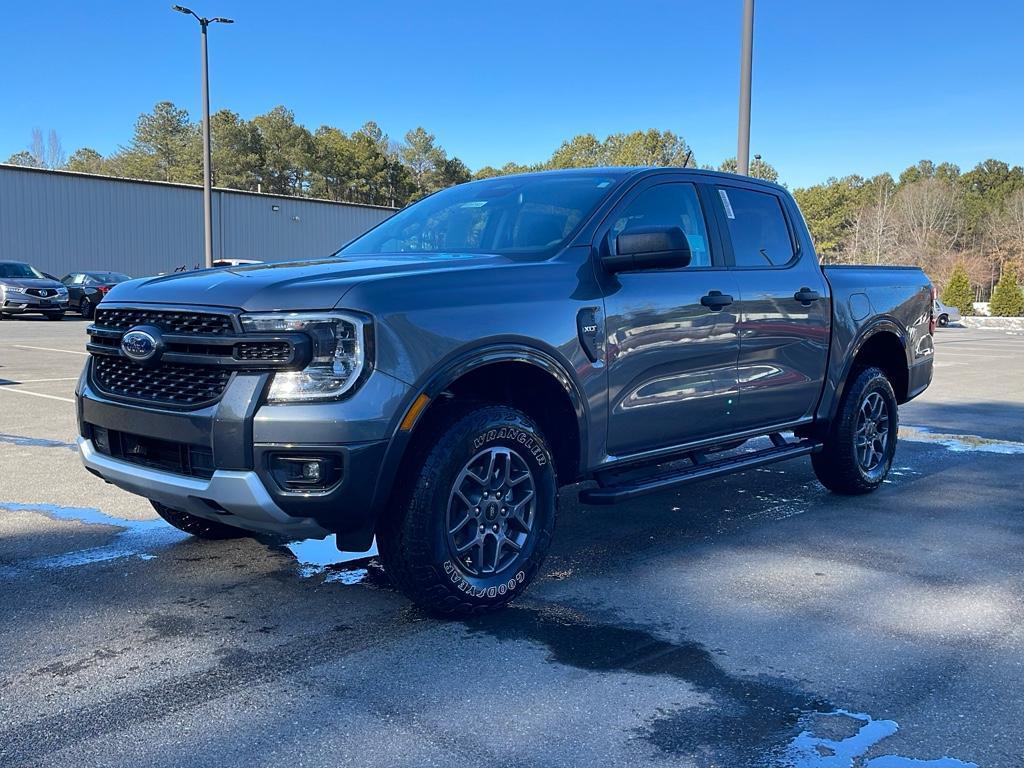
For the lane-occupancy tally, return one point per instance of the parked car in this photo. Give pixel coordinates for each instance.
(87, 289)
(26, 290)
(235, 262)
(438, 380)
(945, 314)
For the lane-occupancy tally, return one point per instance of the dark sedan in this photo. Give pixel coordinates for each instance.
(87, 289)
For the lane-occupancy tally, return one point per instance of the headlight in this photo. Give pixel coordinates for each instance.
(62, 291)
(339, 353)
(14, 289)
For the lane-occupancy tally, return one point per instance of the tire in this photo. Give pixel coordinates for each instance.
(857, 457)
(54, 315)
(198, 526)
(86, 309)
(451, 499)
(943, 321)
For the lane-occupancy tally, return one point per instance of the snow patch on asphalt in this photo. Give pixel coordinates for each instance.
(961, 442)
(36, 442)
(321, 556)
(134, 538)
(809, 750)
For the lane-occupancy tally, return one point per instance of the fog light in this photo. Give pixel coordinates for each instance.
(305, 473)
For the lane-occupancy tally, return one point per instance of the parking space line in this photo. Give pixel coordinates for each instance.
(41, 381)
(51, 349)
(35, 394)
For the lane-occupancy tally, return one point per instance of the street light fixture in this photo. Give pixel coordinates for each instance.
(207, 166)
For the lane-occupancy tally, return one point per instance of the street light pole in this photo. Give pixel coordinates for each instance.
(204, 23)
(746, 61)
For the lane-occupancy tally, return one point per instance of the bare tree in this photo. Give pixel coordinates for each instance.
(38, 148)
(55, 157)
(928, 217)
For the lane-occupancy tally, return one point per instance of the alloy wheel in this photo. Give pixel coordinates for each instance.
(491, 512)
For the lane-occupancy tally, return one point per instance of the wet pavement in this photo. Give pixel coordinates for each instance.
(754, 620)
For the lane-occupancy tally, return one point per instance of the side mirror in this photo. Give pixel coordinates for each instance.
(649, 248)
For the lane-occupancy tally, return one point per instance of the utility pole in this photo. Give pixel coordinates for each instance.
(746, 61)
(207, 165)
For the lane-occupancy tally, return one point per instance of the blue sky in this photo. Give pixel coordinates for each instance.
(839, 87)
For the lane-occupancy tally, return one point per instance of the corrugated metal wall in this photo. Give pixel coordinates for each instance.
(64, 222)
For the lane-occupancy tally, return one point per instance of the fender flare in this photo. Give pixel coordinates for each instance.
(457, 366)
(883, 324)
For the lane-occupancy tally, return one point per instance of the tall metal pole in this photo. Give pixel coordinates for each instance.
(207, 164)
(207, 170)
(746, 60)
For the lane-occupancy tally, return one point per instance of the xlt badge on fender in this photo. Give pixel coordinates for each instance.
(590, 325)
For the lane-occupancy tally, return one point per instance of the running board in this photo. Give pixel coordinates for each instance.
(700, 468)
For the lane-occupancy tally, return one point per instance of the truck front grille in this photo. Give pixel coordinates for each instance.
(168, 321)
(168, 383)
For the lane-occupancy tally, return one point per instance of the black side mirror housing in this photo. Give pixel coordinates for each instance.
(648, 248)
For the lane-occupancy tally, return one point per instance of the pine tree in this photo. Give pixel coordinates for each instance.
(958, 292)
(1007, 299)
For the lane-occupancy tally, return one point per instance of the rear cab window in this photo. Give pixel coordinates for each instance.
(757, 226)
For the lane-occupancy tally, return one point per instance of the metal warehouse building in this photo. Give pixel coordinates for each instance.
(63, 222)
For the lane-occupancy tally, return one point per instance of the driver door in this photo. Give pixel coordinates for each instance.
(671, 333)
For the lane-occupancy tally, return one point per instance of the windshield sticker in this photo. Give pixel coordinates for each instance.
(727, 204)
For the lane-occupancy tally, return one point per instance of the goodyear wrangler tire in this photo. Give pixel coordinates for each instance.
(474, 518)
(859, 449)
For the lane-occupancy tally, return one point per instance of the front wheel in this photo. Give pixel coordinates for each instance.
(198, 526)
(860, 446)
(474, 519)
(943, 321)
(86, 308)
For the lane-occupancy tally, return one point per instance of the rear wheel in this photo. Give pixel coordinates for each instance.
(198, 526)
(859, 448)
(474, 521)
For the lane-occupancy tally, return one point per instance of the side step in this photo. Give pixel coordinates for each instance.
(699, 468)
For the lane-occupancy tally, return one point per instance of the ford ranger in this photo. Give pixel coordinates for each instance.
(437, 381)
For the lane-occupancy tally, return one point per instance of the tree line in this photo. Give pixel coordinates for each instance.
(932, 215)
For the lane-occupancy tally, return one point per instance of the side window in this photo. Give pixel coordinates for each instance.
(666, 205)
(757, 227)
(79, 279)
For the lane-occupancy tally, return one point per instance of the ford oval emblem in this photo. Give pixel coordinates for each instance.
(139, 345)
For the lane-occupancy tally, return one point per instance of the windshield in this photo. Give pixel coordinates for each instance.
(16, 270)
(108, 277)
(510, 215)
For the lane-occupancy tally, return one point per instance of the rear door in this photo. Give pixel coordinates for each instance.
(783, 307)
(671, 333)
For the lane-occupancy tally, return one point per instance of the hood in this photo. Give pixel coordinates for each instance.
(31, 282)
(299, 285)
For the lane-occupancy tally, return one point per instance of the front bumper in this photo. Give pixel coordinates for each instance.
(236, 498)
(239, 435)
(20, 303)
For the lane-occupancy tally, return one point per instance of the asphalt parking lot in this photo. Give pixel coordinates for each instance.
(754, 620)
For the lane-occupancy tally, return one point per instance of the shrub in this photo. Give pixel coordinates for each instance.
(958, 292)
(1007, 299)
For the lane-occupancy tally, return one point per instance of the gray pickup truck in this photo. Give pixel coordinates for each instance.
(440, 378)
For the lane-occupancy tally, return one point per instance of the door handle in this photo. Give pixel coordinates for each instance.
(806, 296)
(716, 300)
